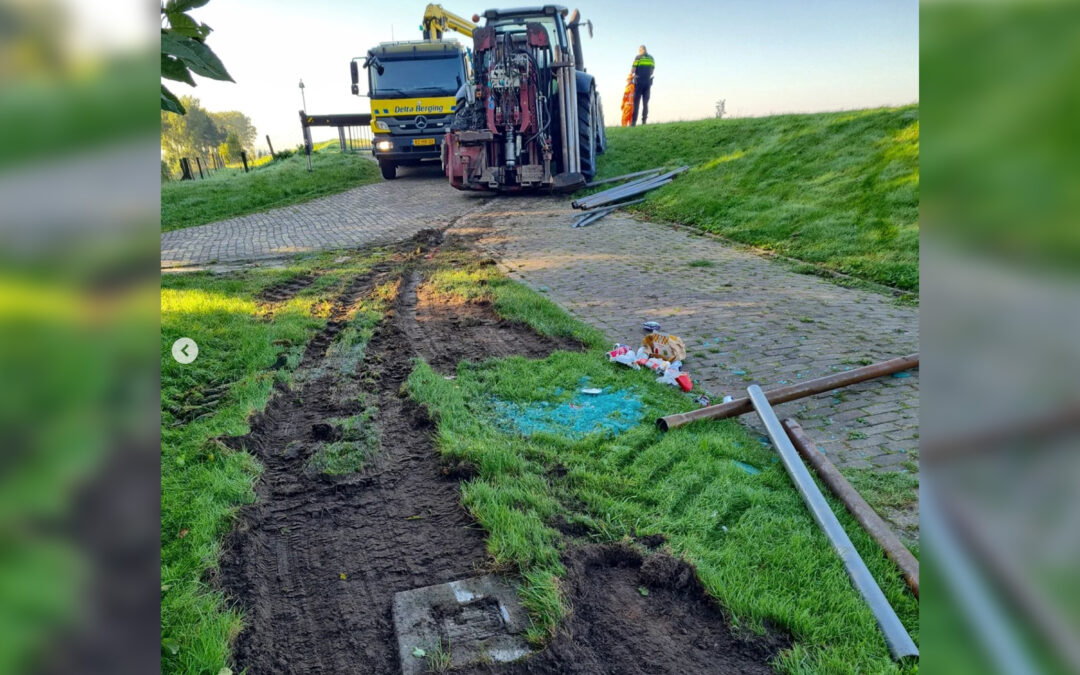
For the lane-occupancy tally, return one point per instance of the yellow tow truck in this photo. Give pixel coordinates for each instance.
(412, 86)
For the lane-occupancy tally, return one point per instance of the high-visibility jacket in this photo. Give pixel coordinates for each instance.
(628, 102)
(643, 70)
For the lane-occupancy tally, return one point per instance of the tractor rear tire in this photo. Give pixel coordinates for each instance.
(389, 169)
(601, 140)
(587, 133)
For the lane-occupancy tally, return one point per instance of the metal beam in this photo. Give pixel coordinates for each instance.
(790, 393)
(896, 636)
(347, 120)
(856, 505)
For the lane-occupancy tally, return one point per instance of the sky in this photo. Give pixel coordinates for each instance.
(761, 56)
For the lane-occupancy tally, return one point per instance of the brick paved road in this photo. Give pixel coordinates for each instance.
(744, 319)
(381, 212)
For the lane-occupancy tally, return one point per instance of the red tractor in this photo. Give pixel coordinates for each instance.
(531, 119)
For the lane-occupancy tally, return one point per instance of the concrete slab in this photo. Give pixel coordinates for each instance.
(472, 621)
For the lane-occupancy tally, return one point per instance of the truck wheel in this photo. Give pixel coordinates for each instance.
(389, 169)
(601, 128)
(587, 118)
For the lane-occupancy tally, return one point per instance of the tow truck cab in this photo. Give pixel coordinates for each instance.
(412, 86)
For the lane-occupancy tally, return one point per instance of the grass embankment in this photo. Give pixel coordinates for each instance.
(719, 494)
(202, 481)
(837, 190)
(231, 192)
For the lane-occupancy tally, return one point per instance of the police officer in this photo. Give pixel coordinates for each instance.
(643, 73)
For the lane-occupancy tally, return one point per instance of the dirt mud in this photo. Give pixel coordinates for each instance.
(314, 563)
(287, 290)
(641, 615)
(446, 333)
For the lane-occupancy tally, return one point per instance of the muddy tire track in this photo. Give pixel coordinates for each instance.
(314, 563)
(287, 290)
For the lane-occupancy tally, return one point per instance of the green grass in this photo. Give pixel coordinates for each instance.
(755, 546)
(231, 192)
(839, 191)
(465, 278)
(358, 443)
(202, 481)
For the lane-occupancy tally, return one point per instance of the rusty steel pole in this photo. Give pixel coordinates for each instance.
(790, 393)
(867, 517)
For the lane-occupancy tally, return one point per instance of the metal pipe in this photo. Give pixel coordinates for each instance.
(592, 216)
(792, 392)
(856, 505)
(572, 117)
(640, 190)
(897, 639)
(627, 176)
(560, 83)
(630, 191)
(633, 187)
(584, 202)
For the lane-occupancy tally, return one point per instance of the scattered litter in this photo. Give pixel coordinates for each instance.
(664, 346)
(703, 400)
(644, 591)
(650, 326)
(592, 391)
(752, 470)
(625, 355)
(673, 376)
(727, 399)
(902, 375)
(738, 372)
(418, 653)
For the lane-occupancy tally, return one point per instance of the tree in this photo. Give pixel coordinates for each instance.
(194, 133)
(234, 121)
(232, 147)
(184, 51)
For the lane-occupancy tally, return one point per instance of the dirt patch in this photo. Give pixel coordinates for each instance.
(642, 615)
(445, 331)
(287, 290)
(315, 562)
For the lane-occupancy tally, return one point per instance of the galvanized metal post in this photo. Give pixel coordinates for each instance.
(896, 636)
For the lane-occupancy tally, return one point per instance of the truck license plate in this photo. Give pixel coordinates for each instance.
(423, 141)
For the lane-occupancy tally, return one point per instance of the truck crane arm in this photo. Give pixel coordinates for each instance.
(437, 21)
